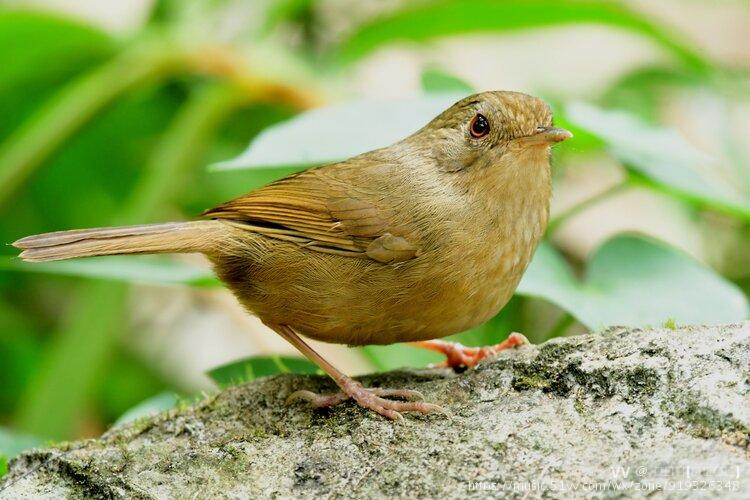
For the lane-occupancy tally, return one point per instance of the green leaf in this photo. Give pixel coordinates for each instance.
(427, 20)
(642, 90)
(156, 404)
(662, 156)
(36, 45)
(637, 282)
(280, 11)
(12, 443)
(39, 53)
(435, 80)
(130, 269)
(338, 132)
(247, 369)
(129, 381)
(73, 105)
(3, 465)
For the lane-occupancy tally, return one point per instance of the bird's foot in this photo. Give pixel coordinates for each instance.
(459, 356)
(372, 398)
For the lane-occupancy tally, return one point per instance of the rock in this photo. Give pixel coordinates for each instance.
(660, 413)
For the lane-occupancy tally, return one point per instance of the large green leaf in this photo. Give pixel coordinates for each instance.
(425, 20)
(247, 369)
(637, 282)
(661, 156)
(35, 44)
(340, 131)
(130, 269)
(38, 53)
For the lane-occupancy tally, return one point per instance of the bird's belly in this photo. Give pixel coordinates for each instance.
(359, 301)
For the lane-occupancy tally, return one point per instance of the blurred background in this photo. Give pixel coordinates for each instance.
(139, 111)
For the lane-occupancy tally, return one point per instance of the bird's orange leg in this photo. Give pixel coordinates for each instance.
(458, 355)
(373, 399)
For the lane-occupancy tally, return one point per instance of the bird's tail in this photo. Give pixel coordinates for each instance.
(170, 237)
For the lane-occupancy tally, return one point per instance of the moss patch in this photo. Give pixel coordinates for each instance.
(705, 422)
(557, 371)
(532, 381)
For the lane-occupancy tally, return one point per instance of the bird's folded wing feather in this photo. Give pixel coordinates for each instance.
(323, 212)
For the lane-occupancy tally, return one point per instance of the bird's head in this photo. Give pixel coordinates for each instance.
(491, 129)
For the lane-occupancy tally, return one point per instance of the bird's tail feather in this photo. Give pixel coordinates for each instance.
(170, 237)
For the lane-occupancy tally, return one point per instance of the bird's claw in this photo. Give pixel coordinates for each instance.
(372, 398)
(460, 356)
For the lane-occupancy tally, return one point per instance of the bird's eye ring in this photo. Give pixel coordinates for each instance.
(479, 126)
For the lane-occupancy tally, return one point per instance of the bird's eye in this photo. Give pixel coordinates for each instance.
(479, 126)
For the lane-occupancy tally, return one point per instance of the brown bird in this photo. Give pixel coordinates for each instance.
(408, 243)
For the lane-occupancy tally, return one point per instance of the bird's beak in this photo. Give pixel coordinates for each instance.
(546, 136)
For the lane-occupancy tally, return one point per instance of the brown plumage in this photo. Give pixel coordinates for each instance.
(416, 241)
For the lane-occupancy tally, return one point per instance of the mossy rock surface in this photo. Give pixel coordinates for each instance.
(620, 414)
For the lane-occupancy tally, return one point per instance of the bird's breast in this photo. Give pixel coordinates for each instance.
(497, 253)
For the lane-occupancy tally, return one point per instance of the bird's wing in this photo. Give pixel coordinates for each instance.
(324, 210)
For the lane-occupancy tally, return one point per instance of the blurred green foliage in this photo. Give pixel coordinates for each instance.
(100, 130)
(425, 21)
